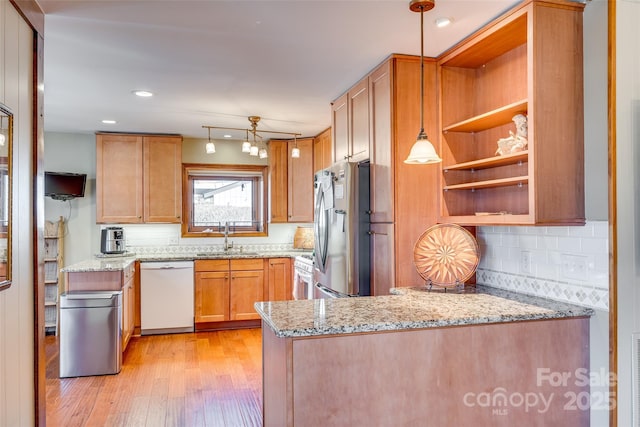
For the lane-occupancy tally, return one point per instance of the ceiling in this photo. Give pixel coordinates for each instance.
(216, 62)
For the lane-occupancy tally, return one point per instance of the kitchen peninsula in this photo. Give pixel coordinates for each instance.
(425, 358)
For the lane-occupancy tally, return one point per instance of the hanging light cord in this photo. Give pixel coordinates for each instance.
(422, 135)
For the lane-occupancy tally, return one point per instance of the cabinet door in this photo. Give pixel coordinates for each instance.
(280, 279)
(162, 179)
(212, 296)
(359, 121)
(300, 177)
(128, 313)
(278, 194)
(118, 178)
(322, 151)
(247, 288)
(340, 128)
(382, 258)
(382, 183)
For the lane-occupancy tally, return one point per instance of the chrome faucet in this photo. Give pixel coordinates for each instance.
(227, 245)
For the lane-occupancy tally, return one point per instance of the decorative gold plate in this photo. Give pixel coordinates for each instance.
(446, 255)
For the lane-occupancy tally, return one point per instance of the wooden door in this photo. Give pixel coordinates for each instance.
(118, 178)
(322, 151)
(162, 179)
(280, 277)
(300, 177)
(340, 128)
(382, 158)
(382, 258)
(247, 288)
(359, 121)
(278, 193)
(212, 296)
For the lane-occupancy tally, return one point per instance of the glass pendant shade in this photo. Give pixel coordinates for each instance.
(422, 152)
(295, 152)
(246, 147)
(262, 153)
(210, 147)
(3, 139)
(254, 150)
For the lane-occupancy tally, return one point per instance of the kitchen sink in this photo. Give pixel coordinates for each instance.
(228, 253)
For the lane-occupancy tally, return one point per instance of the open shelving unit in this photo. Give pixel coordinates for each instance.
(528, 61)
(53, 278)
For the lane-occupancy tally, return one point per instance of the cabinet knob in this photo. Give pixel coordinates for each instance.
(369, 212)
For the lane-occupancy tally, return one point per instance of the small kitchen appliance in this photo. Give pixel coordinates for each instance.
(112, 240)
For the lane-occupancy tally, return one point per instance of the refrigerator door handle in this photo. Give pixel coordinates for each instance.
(320, 231)
(330, 292)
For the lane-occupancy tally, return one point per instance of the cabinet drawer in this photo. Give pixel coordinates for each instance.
(212, 265)
(247, 264)
(129, 271)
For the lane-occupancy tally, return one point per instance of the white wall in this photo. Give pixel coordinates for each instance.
(628, 197)
(558, 253)
(82, 239)
(16, 303)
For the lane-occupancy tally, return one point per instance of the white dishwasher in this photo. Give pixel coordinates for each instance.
(166, 297)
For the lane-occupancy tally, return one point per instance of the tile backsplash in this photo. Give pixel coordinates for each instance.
(569, 264)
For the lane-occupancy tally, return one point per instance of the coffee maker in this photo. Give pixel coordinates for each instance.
(112, 240)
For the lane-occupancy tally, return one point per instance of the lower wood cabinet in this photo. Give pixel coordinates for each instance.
(280, 278)
(226, 289)
(128, 305)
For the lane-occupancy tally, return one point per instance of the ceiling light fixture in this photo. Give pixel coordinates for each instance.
(109, 122)
(246, 144)
(442, 22)
(295, 151)
(422, 151)
(252, 147)
(142, 93)
(210, 148)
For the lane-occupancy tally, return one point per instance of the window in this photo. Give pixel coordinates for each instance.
(220, 195)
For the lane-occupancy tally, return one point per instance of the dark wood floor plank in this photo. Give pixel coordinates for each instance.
(200, 379)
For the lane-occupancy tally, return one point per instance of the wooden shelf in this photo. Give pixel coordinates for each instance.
(490, 162)
(505, 182)
(490, 119)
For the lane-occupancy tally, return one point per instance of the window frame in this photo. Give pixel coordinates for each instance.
(189, 171)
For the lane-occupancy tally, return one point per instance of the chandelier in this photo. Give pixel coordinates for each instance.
(254, 143)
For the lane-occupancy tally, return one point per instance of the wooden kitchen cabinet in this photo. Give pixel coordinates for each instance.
(225, 290)
(350, 124)
(291, 181)
(138, 178)
(404, 198)
(322, 156)
(280, 279)
(128, 305)
(529, 61)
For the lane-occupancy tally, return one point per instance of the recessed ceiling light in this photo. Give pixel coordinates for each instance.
(109, 122)
(443, 22)
(142, 93)
(227, 136)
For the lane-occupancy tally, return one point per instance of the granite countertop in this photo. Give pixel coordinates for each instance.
(409, 308)
(120, 262)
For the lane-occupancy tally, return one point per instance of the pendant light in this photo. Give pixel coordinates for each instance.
(295, 151)
(210, 148)
(246, 145)
(422, 151)
(3, 138)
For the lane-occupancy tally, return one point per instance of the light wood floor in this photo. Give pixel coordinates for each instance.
(197, 379)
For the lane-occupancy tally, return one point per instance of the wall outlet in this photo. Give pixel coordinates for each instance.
(574, 267)
(174, 240)
(525, 262)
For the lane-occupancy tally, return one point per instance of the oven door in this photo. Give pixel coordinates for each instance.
(302, 284)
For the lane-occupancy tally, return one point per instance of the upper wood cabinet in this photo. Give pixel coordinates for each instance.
(322, 157)
(350, 124)
(528, 61)
(291, 181)
(138, 178)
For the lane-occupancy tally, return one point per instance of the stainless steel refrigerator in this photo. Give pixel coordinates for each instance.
(341, 228)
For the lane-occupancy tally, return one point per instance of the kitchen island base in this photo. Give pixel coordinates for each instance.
(533, 373)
